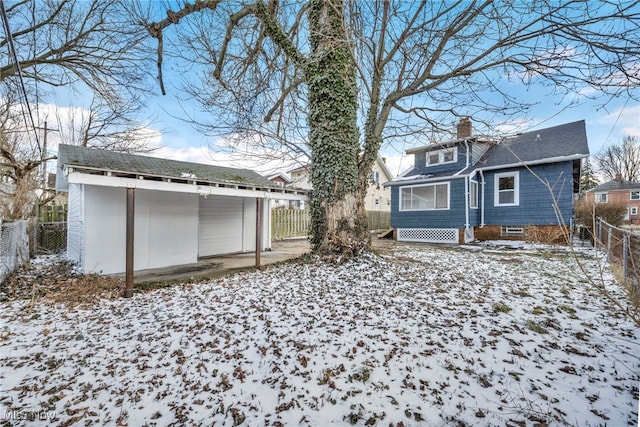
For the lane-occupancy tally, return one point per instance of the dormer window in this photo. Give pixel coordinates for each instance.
(441, 157)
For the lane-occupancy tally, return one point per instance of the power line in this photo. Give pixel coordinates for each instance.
(18, 70)
(616, 122)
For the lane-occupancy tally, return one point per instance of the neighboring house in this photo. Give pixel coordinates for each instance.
(282, 180)
(473, 188)
(618, 191)
(182, 211)
(279, 179)
(300, 177)
(378, 196)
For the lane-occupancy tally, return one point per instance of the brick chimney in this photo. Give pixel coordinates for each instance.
(618, 177)
(464, 128)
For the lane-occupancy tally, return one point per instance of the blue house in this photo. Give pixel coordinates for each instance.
(475, 188)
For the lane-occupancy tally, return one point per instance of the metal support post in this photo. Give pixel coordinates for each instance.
(128, 292)
(258, 230)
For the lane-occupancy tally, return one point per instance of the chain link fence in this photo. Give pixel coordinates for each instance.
(14, 247)
(51, 238)
(623, 249)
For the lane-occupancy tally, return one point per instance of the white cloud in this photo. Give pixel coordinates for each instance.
(207, 155)
(625, 121)
(514, 126)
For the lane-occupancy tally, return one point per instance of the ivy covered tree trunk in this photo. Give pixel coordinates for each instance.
(338, 215)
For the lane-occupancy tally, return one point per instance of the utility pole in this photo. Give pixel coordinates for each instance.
(43, 155)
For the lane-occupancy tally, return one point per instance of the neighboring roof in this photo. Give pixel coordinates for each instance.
(563, 142)
(381, 162)
(614, 185)
(384, 167)
(91, 159)
(280, 175)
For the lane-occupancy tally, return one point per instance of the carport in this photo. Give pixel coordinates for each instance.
(131, 212)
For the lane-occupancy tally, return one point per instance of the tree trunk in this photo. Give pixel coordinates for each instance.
(338, 217)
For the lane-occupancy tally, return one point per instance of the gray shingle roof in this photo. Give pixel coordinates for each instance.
(563, 141)
(111, 161)
(614, 185)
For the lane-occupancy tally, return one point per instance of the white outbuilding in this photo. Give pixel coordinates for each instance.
(179, 211)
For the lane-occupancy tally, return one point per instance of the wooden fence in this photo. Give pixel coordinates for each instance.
(288, 223)
(379, 220)
(52, 213)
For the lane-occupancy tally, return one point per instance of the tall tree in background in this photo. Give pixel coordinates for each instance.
(588, 179)
(335, 78)
(92, 49)
(621, 159)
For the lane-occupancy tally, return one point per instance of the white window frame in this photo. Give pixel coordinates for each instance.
(600, 197)
(472, 193)
(375, 177)
(633, 210)
(516, 188)
(441, 153)
(411, 187)
(637, 195)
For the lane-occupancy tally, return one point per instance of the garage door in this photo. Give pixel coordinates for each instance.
(220, 225)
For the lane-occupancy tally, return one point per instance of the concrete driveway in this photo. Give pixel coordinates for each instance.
(220, 265)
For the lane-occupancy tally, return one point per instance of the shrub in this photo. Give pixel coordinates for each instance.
(613, 213)
(548, 234)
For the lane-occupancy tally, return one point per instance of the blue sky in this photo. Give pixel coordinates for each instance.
(608, 121)
(605, 125)
(181, 141)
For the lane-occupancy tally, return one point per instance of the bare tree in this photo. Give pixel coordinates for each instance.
(66, 42)
(337, 78)
(104, 125)
(90, 47)
(19, 165)
(621, 160)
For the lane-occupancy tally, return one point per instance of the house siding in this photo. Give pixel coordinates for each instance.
(165, 229)
(75, 224)
(422, 168)
(443, 218)
(536, 204)
(619, 197)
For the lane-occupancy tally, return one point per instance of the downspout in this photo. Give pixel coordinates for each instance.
(466, 189)
(466, 203)
(482, 185)
(466, 144)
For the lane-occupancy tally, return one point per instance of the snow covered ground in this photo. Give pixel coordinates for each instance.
(417, 336)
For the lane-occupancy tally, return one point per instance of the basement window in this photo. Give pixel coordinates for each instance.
(508, 230)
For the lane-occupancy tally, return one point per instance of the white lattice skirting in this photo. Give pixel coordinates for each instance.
(428, 235)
